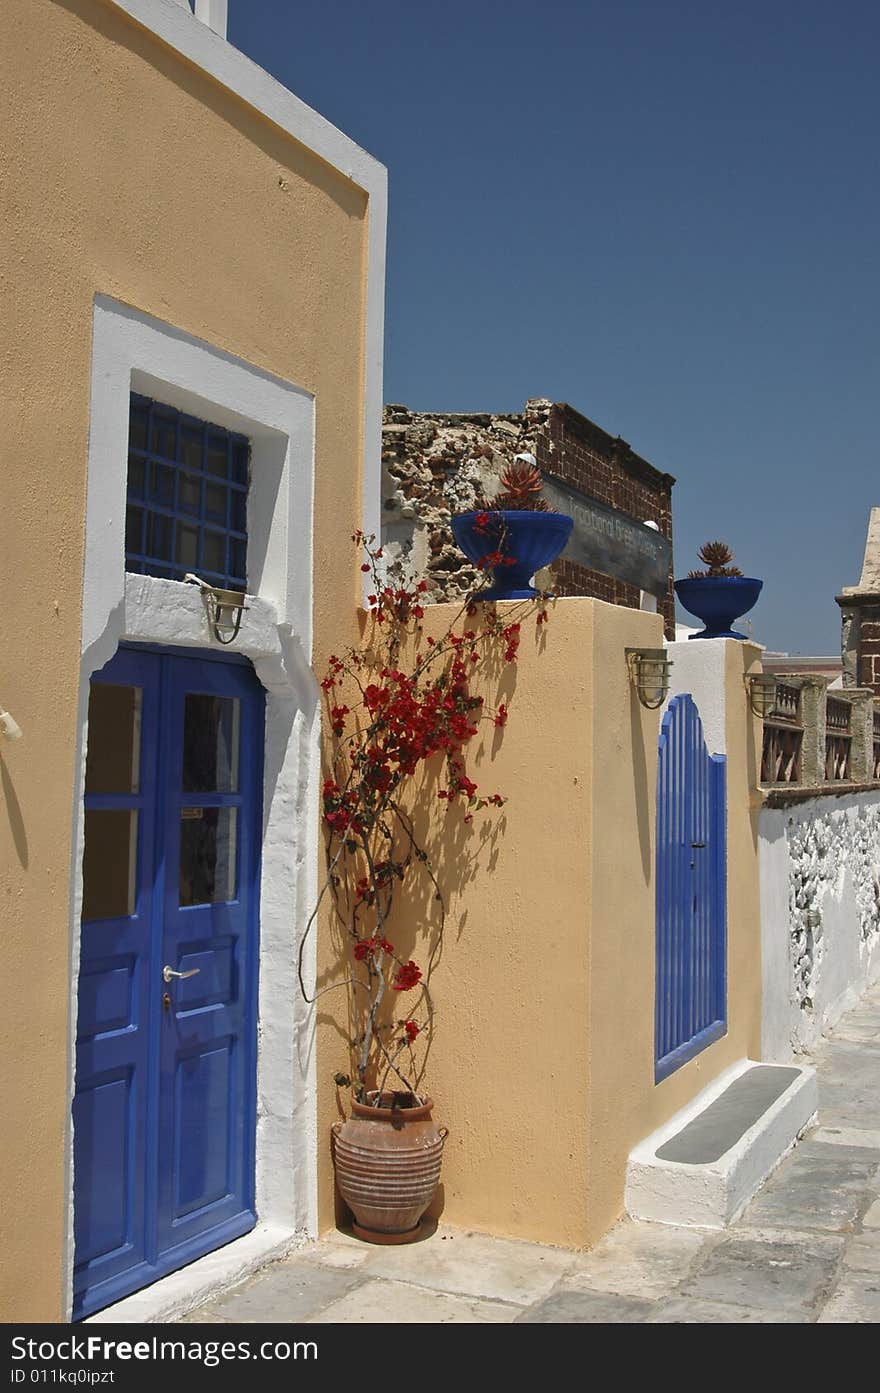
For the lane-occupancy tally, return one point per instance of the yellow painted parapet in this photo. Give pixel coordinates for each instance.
(542, 1065)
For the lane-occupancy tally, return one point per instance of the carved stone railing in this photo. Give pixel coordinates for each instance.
(838, 740)
(816, 738)
(783, 738)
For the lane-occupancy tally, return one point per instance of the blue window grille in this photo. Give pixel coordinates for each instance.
(187, 497)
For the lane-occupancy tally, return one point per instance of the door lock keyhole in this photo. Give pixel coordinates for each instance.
(166, 1001)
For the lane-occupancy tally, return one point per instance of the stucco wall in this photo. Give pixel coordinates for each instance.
(543, 1061)
(820, 914)
(132, 174)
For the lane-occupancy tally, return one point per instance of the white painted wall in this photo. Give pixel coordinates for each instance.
(820, 915)
(698, 669)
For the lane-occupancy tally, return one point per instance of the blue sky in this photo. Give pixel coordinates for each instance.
(667, 215)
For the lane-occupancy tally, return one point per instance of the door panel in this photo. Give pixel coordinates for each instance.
(112, 1106)
(207, 1055)
(164, 1112)
(202, 1094)
(103, 1118)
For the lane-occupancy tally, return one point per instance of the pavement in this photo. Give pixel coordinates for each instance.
(806, 1249)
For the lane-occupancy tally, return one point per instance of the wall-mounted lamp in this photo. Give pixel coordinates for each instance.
(9, 726)
(761, 690)
(224, 607)
(649, 674)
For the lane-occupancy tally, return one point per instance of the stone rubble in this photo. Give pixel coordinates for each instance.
(435, 465)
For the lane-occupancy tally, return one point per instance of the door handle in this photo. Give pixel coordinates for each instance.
(168, 973)
(698, 844)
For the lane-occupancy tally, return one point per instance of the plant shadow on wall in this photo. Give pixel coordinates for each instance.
(16, 821)
(407, 829)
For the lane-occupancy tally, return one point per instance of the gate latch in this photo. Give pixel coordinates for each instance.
(698, 844)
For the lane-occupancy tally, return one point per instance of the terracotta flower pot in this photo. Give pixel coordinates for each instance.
(388, 1167)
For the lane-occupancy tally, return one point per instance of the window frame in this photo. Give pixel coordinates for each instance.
(176, 471)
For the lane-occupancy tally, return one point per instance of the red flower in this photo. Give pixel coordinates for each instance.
(501, 716)
(411, 1029)
(367, 946)
(365, 567)
(406, 977)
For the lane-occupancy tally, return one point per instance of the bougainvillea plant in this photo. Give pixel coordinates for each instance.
(402, 708)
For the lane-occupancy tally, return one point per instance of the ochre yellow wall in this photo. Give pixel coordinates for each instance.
(131, 174)
(510, 1056)
(543, 1060)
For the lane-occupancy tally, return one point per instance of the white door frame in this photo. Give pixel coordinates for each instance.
(134, 352)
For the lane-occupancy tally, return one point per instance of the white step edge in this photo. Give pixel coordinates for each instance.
(713, 1194)
(210, 1276)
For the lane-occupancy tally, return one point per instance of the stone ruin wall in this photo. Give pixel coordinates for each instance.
(436, 464)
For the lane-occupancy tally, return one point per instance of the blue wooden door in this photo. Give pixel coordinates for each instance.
(690, 999)
(164, 1110)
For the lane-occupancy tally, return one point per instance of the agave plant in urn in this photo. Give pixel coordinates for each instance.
(514, 534)
(720, 594)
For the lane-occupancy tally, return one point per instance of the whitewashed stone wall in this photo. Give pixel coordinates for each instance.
(820, 914)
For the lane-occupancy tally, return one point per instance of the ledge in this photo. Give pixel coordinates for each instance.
(786, 797)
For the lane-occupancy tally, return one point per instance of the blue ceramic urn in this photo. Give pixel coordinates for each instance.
(718, 601)
(526, 540)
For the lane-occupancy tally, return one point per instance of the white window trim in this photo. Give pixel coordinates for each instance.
(132, 351)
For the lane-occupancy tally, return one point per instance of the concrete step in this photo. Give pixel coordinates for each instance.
(703, 1166)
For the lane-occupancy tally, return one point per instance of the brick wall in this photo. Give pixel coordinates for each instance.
(580, 453)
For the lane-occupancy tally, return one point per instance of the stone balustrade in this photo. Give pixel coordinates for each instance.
(816, 738)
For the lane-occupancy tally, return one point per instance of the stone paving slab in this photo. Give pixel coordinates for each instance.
(871, 1219)
(863, 1253)
(472, 1264)
(587, 1308)
(849, 1136)
(688, 1310)
(771, 1277)
(286, 1292)
(819, 1186)
(855, 1302)
(380, 1302)
(639, 1259)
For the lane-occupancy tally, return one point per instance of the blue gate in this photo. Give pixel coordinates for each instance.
(165, 1107)
(690, 995)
